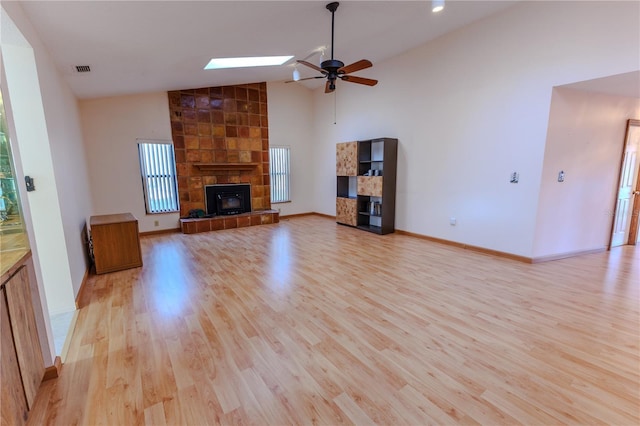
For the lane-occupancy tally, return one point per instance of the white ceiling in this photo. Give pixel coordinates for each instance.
(142, 46)
(148, 45)
(627, 84)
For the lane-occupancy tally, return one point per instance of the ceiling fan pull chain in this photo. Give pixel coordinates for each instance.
(335, 107)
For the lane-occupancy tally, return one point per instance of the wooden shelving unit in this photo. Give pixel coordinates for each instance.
(366, 184)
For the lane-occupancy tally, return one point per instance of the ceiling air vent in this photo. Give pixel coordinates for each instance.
(83, 68)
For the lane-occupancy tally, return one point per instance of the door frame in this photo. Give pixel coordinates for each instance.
(635, 209)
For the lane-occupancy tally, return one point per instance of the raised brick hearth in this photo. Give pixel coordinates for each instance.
(217, 223)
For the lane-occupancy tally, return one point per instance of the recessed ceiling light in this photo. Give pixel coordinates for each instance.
(256, 61)
(437, 5)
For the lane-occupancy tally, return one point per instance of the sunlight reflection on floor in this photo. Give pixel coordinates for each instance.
(280, 267)
(170, 279)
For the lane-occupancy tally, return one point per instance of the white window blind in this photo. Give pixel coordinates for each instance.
(158, 168)
(279, 171)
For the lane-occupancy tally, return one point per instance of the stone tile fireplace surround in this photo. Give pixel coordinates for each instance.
(221, 136)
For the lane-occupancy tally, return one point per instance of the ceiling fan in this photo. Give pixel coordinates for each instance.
(333, 69)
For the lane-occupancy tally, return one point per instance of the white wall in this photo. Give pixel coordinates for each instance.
(472, 107)
(69, 162)
(49, 140)
(291, 124)
(585, 140)
(48, 146)
(111, 127)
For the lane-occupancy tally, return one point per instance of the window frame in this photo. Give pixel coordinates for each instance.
(167, 166)
(286, 162)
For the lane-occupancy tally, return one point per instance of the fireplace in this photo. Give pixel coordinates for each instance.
(223, 200)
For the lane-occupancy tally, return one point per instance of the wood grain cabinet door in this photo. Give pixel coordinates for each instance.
(346, 212)
(25, 333)
(370, 185)
(13, 402)
(116, 244)
(347, 159)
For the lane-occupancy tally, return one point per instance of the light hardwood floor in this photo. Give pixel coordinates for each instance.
(309, 322)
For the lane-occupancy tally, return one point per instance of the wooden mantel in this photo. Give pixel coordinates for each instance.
(225, 166)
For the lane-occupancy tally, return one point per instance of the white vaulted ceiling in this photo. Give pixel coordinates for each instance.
(142, 46)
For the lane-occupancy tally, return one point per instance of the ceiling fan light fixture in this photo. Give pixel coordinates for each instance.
(437, 5)
(333, 69)
(296, 74)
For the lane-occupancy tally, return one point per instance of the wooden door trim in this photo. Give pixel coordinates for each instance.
(635, 209)
(630, 122)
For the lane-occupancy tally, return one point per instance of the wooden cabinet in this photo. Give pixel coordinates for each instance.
(20, 353)
(372, 184)
(25, 333)
(347, 159)
(347, 211)
(115, 241)
(346, 171)
(14, 403)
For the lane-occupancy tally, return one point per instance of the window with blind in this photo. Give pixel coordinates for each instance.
(158, 168)
(279, 171)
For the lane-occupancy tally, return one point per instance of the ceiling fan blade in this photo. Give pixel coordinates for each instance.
(359, 80)
(327, 88)
(303, 79)
(314, 66)
(356, 66)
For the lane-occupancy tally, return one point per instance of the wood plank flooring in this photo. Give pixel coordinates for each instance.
(309, 322)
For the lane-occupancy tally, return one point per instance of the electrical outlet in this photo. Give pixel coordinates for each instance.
(515, 177)
(561, 176)
(156, 223)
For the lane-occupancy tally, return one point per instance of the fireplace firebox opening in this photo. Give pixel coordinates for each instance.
(223, 200)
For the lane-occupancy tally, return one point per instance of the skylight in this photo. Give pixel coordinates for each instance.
(256, 61)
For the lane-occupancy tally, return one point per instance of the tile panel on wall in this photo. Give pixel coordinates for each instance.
(220, 125)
